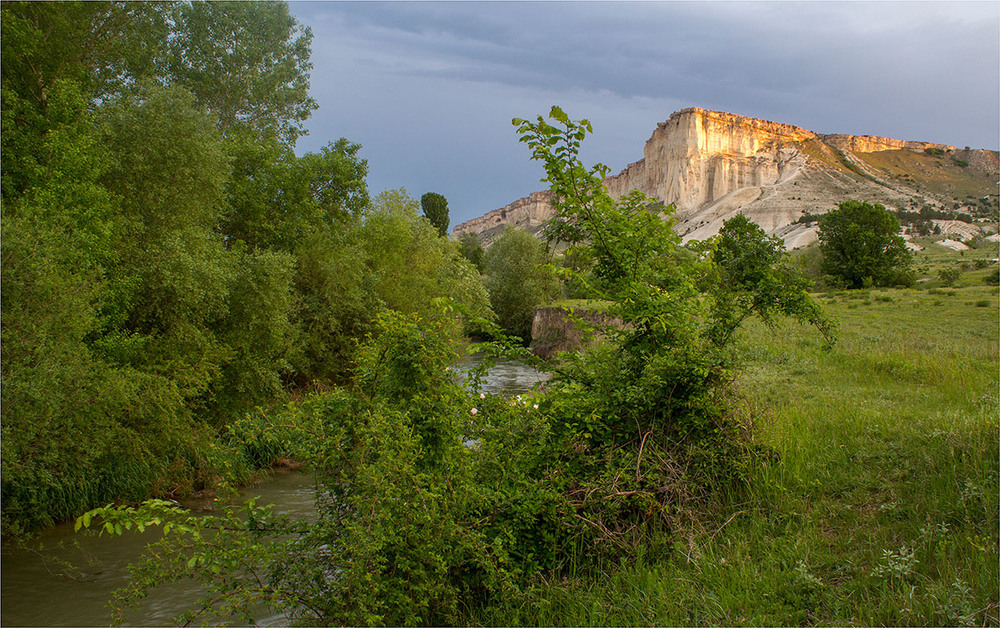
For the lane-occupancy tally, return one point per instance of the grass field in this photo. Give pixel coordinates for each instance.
(881, 506)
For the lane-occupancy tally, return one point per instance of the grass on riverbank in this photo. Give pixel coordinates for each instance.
(882, 507)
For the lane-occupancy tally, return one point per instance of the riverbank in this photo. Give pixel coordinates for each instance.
(60, 564)
(880, 506)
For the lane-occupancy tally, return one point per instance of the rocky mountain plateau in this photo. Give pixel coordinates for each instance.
(712, 165)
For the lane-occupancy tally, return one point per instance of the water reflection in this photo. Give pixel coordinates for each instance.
(509, 377)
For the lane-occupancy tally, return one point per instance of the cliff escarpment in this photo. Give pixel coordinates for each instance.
(712, 165)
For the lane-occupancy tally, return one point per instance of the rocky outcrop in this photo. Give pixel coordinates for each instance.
(553, 329)
(698, 157)
(873, 143)
(712, 165)
(529, 213)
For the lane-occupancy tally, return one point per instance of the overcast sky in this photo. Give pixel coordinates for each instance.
(429, 88)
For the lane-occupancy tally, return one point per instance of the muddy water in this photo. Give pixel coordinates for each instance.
(39, 588)
(64, 578)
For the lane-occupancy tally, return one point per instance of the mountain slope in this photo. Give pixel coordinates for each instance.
(712, 165)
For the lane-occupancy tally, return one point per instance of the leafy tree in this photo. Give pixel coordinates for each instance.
(472, 250)
(654, 392)
(247, 62)
(276, 200)
(435, 207)
(753, 277)
(100, 47)
(410, 264)
(517, 279)
(861, 244)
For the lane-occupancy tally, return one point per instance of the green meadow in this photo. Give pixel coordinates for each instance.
(879, 503)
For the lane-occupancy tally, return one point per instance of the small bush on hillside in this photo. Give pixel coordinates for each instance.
(949, 276)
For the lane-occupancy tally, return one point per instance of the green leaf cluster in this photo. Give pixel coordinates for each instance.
(862, 245)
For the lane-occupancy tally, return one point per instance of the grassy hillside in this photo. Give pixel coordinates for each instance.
(936, 174)
(880, 507)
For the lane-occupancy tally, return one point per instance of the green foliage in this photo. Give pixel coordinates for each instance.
(861, 242)
(472, 250)
(435, 208)
(277, 201)
(169, 263)
(437, 499)
(246, 62)
(517, 279)
(410, 264)
(754, 278)
(949, 276)
(646, 414)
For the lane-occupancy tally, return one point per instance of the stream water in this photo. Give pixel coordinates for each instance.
(39, 588)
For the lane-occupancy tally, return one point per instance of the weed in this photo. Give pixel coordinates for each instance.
(895, 565)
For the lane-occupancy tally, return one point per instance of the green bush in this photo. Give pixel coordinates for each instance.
(949, 276)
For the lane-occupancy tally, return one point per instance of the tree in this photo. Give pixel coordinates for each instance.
(861, 244)
(472, 249)
(435, 207)
(517, 280)
(753, 277)
(247, 62)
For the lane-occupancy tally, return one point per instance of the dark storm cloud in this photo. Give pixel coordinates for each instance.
(429, 88)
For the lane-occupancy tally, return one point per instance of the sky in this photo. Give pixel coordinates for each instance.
(429, 88)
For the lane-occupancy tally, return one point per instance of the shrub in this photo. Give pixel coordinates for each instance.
(949, 275)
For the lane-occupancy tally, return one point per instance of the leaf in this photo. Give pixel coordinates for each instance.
(192, 562)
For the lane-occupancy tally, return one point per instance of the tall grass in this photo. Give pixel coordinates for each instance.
(881, 505)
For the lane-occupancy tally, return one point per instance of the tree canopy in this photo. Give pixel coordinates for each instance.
(862, 245)
(435, 207)
(169, 263)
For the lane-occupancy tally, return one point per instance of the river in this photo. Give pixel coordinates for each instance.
(38, 588)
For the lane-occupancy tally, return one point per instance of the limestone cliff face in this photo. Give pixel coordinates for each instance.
(529, 213)
(872, 143)
(698, 156)
(712, 165)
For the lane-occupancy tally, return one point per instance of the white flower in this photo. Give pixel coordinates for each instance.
(482, 395)
(474, 411)
(536, 406)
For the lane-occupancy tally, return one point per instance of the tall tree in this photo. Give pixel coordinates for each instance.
(861, 244)
(100, 47)
(247, 62)
(517, 280)
(435, 207)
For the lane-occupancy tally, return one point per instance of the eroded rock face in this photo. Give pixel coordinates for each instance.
(712, 165)
(697, 157)
(529, 213)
